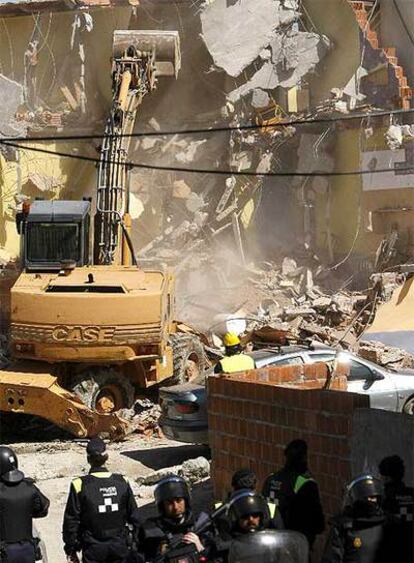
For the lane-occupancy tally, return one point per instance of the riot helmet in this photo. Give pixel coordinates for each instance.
(269, 546)
(169, 488)
(363, 495)
(248, 504)
(9, 466)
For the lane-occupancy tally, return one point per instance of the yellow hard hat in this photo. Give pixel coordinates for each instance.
(230, 339)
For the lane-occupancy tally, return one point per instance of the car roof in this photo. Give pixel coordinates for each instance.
(265, 353)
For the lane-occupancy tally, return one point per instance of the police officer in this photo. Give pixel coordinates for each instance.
(99, 508)
(247, 513)
(246, 480)
(357, 534)
(234, 359)
(295, 493)
(397, 503)
(172, 532)
(20, 502)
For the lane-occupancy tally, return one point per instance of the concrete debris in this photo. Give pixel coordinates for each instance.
(386, 356)
(192, 470)
(396, 135)
(260, 98)
(195, 470)
(12, 96)
(294, 55)
(189, 153)
(143, 417)
(148, 143)
(227, 33)
(194, 203)
(153, 123)
(152, 478)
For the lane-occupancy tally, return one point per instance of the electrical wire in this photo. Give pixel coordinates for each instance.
(131, 165)
(218, 129)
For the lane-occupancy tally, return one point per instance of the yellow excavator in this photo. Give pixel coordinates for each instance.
(89, 328)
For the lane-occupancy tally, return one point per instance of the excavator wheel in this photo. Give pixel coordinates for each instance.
(104, 390)
(189, 359)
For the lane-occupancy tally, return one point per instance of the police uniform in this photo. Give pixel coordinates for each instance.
(98, 509)
(398, 506)
(157, 535)
(222, 523)
(357, 535)
(20, 502)
(160, 537)
(355, 540)
(296, 497)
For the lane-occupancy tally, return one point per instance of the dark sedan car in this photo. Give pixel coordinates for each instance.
(184, 407)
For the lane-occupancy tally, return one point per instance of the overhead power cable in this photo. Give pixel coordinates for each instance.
(144, 166)
(215, 129)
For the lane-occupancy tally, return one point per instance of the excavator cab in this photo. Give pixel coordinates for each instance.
(55, 235)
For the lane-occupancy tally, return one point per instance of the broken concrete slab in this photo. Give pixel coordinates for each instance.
(260, 99)
(294, 54)
(188, 154)
(227, 31)
(12, 96)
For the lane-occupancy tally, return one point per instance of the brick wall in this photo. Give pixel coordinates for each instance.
(253, 415)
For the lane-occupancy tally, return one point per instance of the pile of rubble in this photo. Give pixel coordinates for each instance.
(288, 304)
(387, 356)
(286, 298)
(193, 471)
(143, 418)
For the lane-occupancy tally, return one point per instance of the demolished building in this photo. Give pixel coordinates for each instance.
(56, 67)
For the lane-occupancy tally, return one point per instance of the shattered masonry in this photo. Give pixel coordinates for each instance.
(207, 225)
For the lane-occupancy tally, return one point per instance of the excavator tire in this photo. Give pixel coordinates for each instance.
(104, 390)
(189, 359)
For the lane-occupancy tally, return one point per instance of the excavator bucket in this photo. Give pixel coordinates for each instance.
(165, 44)
(37, 392)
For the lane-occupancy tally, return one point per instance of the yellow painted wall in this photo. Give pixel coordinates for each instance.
(335, 19)
(345, 197)
(73, 180)
(57, 66)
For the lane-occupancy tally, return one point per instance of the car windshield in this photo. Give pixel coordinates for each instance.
(52, 242)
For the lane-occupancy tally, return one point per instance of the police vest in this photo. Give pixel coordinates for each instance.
(361, 542)
(281, 490)
(16, 511)
(238, 362)
(102, 497)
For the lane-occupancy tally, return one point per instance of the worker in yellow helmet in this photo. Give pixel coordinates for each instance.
(234, 360)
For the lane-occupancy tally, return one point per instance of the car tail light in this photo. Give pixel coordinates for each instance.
(186, 408)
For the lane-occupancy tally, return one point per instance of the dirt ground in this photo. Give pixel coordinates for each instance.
(54, 464)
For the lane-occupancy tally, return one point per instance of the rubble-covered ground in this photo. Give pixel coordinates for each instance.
(54, 464)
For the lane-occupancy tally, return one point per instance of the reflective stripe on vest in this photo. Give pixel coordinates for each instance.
(272, 509)
(77, 483)
(239, 362)
(300, 481)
